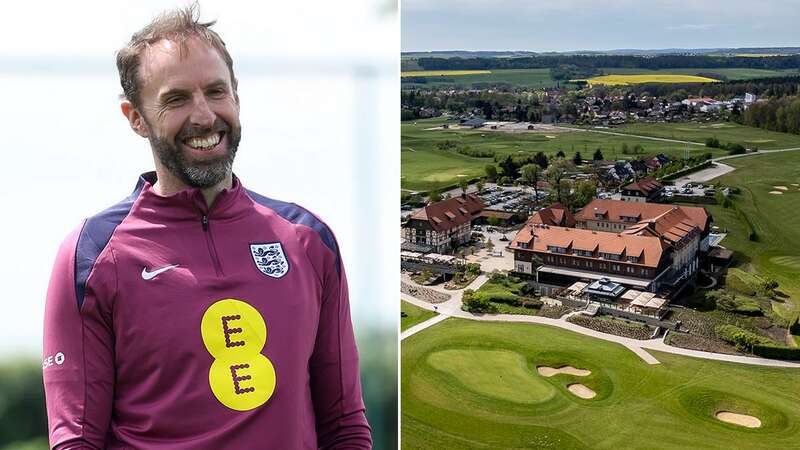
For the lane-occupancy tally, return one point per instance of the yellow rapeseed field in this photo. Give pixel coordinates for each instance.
(616, 80)
(442, 73)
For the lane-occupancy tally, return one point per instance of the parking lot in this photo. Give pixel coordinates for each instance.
(511, 199)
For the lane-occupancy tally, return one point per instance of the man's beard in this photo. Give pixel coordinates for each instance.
(203, 173)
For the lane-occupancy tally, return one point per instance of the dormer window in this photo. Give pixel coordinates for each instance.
(633, 259)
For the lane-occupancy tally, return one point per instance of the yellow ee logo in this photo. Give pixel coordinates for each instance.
(235, 333)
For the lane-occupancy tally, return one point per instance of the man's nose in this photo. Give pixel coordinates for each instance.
(201, 113)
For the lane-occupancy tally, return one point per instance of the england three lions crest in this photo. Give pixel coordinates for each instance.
(270, 259)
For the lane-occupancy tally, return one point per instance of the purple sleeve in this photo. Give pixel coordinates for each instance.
(335, 383)
(78, 352)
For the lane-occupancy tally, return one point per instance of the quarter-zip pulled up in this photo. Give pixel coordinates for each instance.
(212, 249)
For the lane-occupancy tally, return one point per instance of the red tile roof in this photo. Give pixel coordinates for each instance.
(614, 210)
(646, 186)
(538, 238)
(450, 213)
(556, 215)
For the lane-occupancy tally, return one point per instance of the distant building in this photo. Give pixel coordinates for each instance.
(644, 190)
(750, 98)
(442, 226)
(554, 215)
(475, 122)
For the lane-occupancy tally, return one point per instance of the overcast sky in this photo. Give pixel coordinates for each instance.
(596, 25)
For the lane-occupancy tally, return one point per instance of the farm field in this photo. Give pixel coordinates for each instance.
(424, 167)
(540, 78)
(624, 80)
(414, 315)
(774, 217)
(469, 384)
(724, 131)
(532, 78)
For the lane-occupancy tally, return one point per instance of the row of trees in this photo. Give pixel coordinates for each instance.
(781, 114)
(614, 61)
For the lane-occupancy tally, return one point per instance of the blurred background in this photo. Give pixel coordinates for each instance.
(318, 84)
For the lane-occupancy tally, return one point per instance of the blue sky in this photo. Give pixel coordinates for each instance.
(596, 25)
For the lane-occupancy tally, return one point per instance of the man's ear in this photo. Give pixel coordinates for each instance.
(135, 119)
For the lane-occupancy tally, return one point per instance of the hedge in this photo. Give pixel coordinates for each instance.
(776, 352)
(751, 232)
(742, 339)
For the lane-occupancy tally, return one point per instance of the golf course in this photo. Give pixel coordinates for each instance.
(769, 197)
(471, 384)
(424, 166)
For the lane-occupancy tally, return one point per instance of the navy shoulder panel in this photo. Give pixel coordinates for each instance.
(94, 237)
(299, 215)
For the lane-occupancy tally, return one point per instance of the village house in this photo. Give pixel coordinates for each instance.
(442, 226)
(644, 190)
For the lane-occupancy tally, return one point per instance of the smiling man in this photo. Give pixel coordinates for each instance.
(197, 314)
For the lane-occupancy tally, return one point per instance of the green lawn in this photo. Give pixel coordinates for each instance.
(468, 384)
(777, 252)
(724, 131)
(424, 167)
(415, 315)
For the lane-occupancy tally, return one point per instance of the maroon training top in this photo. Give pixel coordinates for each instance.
(171, 325)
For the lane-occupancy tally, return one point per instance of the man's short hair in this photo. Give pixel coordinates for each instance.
(176, 25)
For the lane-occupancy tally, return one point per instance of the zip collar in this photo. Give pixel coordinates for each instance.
(189, 203)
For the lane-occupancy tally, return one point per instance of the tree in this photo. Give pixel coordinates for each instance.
(531, 174)
(463, 184)
(577, 159)
(489, 244)
(598, 155)
(541, 159)
(557, 175)
(561, 154)
(585, 191)
(435, 196)
(509, 167)
(491, 172)
(480, 184)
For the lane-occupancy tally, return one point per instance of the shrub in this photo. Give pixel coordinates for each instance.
(735, 149)
(776, 352)
(794, 328)
(742, 339)
(476, 304)
(473, 268)
(735, 280)
(729, 301)
(712, 142)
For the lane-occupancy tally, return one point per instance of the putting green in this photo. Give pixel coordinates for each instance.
(493, 373)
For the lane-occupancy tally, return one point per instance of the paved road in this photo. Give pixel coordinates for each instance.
(651, 138)
(452, 308)
(717, 170)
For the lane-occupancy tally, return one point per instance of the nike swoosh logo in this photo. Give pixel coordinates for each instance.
(150, 275)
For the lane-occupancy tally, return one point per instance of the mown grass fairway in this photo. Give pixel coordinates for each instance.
(468, 384)
(442, 73)
(414, 315)
(724, 131)
(623, 80)
(774, 217)
(425, 167)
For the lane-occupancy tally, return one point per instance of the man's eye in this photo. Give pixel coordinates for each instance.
(217, 93)
(174, 100)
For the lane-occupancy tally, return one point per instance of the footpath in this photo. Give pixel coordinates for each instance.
(452, 308)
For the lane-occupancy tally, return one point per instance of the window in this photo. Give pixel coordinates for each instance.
(523, 245)
(633, 259)
(583, 252)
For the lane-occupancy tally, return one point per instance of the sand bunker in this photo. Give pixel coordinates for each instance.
(776, 192)
(781, 188)
(549, 137)
(795, 184)
(738, 419)
(569, 370)
(583, 391)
